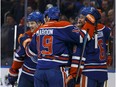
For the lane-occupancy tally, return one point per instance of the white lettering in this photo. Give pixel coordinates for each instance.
(45, 32)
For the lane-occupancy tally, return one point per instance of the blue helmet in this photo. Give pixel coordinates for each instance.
(91, 10)
(53, 13)
(35, 16)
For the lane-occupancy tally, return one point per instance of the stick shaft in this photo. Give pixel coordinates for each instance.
(15, 37)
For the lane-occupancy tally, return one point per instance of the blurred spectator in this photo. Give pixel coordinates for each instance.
(70, 8)
(29, 10)
(111, 17)
(111, 20)
(42, 4)
(17, 10)
(105, 6)
(6, 5)
(63, 18)
(104, 18)
(86, 3)
(7, 40)
(71, 20)
(93, 3)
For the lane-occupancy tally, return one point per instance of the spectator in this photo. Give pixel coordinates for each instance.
(17, 10)
(7, 39)
(105, 6)
(111, 17)
(6, 5)
(29, 10)
(103, 18)
(7, 42)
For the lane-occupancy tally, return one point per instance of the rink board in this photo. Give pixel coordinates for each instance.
(4, 73)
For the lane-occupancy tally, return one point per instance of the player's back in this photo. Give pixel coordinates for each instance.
(95, 64)
(54, 44)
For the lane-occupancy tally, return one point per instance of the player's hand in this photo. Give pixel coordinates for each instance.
(27, 34)
(24, 40)
(109, 60)
(71, 81)
(12, 76)
(90, 28)
(91, 19)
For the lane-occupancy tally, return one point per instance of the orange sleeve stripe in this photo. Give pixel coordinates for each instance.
(96, 67)
(17, 65)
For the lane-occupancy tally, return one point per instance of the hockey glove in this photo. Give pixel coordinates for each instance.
(90, 28)
(12, 76)
(71, 80)
(109, 60)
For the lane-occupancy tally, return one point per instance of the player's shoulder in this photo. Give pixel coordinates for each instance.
(63, 24)
(102, 27)
(57, 24)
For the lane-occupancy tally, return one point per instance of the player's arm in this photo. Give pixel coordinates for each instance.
(107, 32)
(31, 47)
(28, 41)
(16, 65)
(75, 66)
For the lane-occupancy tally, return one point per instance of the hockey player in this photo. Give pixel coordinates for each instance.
(21, 60)
(50, 45)
(94, 66)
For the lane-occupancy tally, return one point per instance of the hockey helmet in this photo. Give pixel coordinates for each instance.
(35, 16)
(53, 13)
(91, 10)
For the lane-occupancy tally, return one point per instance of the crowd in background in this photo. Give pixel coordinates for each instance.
(13, 13)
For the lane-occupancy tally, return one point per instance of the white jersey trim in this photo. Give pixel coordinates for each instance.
(95, 63)
(28, 73)
(78, 58)
(74, 65)
(15, 59)
(53, 60)
(28, 67)
(88, 70)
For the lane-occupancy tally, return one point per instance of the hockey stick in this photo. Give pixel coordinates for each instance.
(84, 45)
(15, 38)
(106, 85)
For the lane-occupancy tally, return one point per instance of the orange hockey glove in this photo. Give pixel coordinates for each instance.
(90, 28)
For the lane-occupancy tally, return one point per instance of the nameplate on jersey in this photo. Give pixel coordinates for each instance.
(45, 32)
(100, 34)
